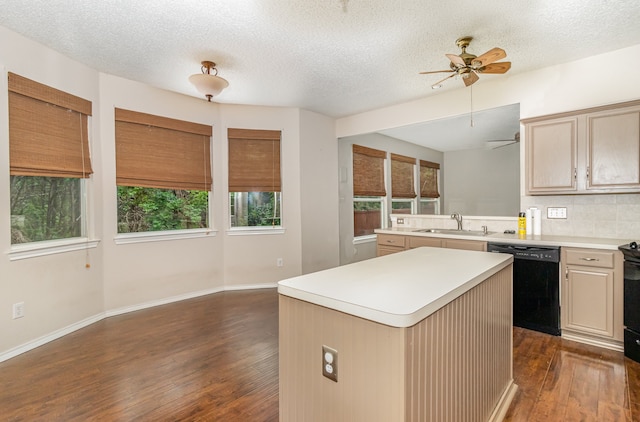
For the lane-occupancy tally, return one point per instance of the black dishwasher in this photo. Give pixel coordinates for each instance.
(536, 286)
(631, 300)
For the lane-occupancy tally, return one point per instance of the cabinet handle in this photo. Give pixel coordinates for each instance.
(575, 173)
(590, 259)
(587, 173)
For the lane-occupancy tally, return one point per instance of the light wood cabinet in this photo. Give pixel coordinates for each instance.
(468, 245)
(595, 150)
(392, 243)
(592, 294)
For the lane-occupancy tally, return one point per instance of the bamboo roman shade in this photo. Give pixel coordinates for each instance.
(158, 152)
(429, 179)
(402, 181)
(254, 160)
(368, 171)
(48, 134)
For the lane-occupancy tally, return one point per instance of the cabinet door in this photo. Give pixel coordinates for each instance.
(588, 301)
(468, 245)
(551, 148)
(613, 149)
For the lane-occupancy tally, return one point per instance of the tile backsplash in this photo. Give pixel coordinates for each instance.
(607, 216)
(603, 216)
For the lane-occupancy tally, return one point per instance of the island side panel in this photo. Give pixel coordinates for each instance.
(371, 359)
(459, 359)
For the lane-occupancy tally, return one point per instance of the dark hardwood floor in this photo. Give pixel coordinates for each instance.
(215, 358)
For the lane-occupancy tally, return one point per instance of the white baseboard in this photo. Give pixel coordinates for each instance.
(605, 344)
(50, 337)
(30, 345)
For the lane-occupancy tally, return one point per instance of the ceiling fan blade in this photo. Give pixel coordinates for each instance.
(436, 71)
(500, 67)
(503, 144)
(442, 80)
(470, 78)
(456, 60)
(489, 57)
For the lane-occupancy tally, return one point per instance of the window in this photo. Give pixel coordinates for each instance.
(163, 173)
(403, 191)
(255, 198)
(429, 194)
(369, 191)
(49, 161)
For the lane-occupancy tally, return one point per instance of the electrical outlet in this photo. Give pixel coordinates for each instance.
(18, 310)
(279, 262)
(400, 221)
(557, 212)
(330, 363)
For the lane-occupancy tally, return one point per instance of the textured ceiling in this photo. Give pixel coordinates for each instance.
(335, 57)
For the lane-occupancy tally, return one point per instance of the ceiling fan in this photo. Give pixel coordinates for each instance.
(468, 66)
(499, 143)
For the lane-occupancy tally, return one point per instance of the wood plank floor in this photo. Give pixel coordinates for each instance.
(215, 358)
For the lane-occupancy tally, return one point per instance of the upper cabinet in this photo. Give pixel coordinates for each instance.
(588, 151)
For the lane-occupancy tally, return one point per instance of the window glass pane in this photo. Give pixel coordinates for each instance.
(429, 206)
(45, 208)
(150, 209)
(255, 209)
(367, 216)
(401, 207)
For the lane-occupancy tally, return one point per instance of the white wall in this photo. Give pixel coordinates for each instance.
(319, 192)
(61, 295)
(58, 290)
(483, 181)
(580, 84)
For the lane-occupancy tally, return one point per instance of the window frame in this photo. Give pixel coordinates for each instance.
(131, 122)
(28, 92)
(244, 137)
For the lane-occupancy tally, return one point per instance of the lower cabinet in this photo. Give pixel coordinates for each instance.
(391, 243)
(592, 293)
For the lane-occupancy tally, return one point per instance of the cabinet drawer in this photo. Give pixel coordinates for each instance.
(416, 242)
(391, 240)
(590, 258)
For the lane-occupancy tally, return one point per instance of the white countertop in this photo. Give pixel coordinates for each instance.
(400, 289)
(542, 240)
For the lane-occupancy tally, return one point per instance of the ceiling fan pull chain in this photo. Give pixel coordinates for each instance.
(471, 114)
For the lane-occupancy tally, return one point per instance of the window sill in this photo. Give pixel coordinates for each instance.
(50, 247)
(242, 231)
(364, 239)
(160, 236)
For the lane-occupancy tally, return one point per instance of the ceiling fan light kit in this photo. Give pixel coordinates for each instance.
(207, 83)
(467, 65)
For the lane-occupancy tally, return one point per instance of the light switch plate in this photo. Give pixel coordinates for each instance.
(557, 212)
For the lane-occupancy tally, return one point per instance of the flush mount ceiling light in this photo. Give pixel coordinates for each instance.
(208, 83)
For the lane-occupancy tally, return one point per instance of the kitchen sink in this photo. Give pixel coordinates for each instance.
(454, 231)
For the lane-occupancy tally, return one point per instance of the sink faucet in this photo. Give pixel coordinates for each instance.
(458, 217)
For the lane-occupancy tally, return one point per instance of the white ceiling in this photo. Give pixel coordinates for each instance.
(335, 57)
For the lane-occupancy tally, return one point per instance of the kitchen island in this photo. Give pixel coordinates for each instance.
(421, 335)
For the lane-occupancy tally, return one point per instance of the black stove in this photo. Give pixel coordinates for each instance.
(630, 251)
(631, 300)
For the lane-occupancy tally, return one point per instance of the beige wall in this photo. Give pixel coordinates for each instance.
(61, 295)
(482, 181)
